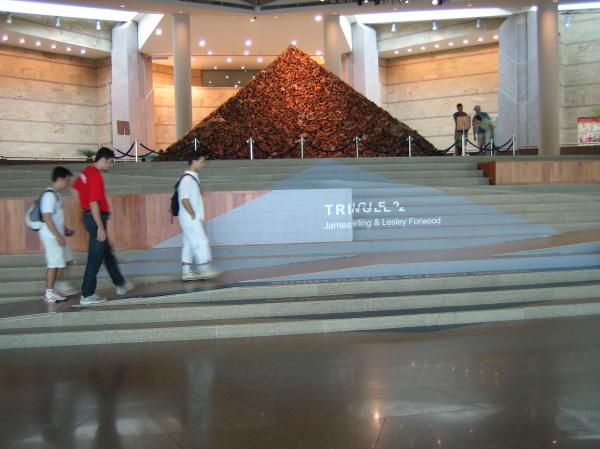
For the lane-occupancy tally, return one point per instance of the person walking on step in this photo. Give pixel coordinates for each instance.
(53, 235)
(461, 128)
(196, 249)
(96, 212)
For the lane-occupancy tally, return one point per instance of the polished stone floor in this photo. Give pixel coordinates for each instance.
(512, 386)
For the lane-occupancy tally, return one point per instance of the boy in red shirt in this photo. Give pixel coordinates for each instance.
(96, 212)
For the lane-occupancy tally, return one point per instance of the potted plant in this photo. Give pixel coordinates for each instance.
(88, 154)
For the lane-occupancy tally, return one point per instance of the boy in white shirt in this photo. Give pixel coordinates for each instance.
(196, 249)
(52, 235)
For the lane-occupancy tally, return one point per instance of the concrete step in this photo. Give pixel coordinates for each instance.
(283, 324)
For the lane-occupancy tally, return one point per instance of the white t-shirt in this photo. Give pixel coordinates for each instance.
(51, 203)
(189, 188)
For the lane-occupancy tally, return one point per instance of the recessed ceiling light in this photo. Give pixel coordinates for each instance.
(57, 22)
(318, 17)
(209, 52)
(226, 77)
(246, 52)
(466, 41)
(260, 59)
(122, 6)
(495, 36)
(53, 46)
(396, 52)
(22, 40)
(98, 25)
(68, 48)
(9, 18)
(229, 59)
(215, 67)
(253, 19)
(38, 44)
(210, 82)
(248, 42)
(437, 45)
(423, 48)
(202, 42)
(193, 59)
(5, 37)
(480, 39)
(158, 31)
(276, 17)
(243, 67)
(83, 51)
(409, 50)
(450, 44)
(319, 52)
(294, 42)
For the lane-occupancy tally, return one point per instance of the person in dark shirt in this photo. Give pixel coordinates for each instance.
(459, 129)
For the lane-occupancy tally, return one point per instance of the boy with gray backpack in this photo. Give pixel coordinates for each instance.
(47, 217)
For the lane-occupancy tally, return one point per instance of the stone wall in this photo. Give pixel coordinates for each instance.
(204, 101)
(52, 105)
(423, 90)
(580, 66)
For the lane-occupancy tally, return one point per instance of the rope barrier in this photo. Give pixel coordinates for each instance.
(197, 146)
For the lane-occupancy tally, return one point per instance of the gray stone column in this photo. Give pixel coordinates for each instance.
(182, 70)
(518, 78)
(365, 62)
(132, 94)
(548, 66)
(333, 36)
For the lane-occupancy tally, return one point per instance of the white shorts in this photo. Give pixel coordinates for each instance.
(56, 256)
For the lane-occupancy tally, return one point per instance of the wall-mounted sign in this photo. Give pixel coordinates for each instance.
(588, 130)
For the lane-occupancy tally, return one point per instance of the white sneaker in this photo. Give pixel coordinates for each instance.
(209, 272)
(125, 288)
(51, 298)
(92, 299)
(66, 289)
(186, 277)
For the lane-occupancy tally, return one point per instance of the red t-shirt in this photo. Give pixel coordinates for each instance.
(90, 186)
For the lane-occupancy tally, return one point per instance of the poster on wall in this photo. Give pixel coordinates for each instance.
(588, 130)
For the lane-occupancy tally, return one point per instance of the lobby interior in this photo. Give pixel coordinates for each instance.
(409, 300)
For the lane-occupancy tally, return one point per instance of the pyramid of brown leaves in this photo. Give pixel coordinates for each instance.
(293, 97)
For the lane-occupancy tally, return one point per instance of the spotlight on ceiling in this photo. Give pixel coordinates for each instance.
(9, 18)
(158, 32)
(98, 25)
(478, 24)
(434, 25)
(393, 27)
(438, 2)
(57, 22)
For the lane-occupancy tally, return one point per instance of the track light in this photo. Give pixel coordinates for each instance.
(478, 24)
(98, 25)
(393, 27)
(9, 18)
(57, 22)
(434, 25)
(438, 2)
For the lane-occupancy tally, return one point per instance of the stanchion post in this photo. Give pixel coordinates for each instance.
(250, 142)
(301, 147)
(136, 150)
(513, 146)
(462, 141)
(195, 144)
(410, 146)
(356, 140)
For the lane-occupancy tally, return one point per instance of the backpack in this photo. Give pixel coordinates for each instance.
(34, 218)
(175, 197)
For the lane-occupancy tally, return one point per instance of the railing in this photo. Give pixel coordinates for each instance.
(255, 151)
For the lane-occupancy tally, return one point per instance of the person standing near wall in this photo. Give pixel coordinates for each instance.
(96, 212)
(461, 126)
(196, 249)
(483, 122)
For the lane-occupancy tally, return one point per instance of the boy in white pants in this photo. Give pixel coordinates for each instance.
(53, 237)
(196, 249)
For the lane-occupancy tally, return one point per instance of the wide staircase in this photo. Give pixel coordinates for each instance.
(401, 291)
